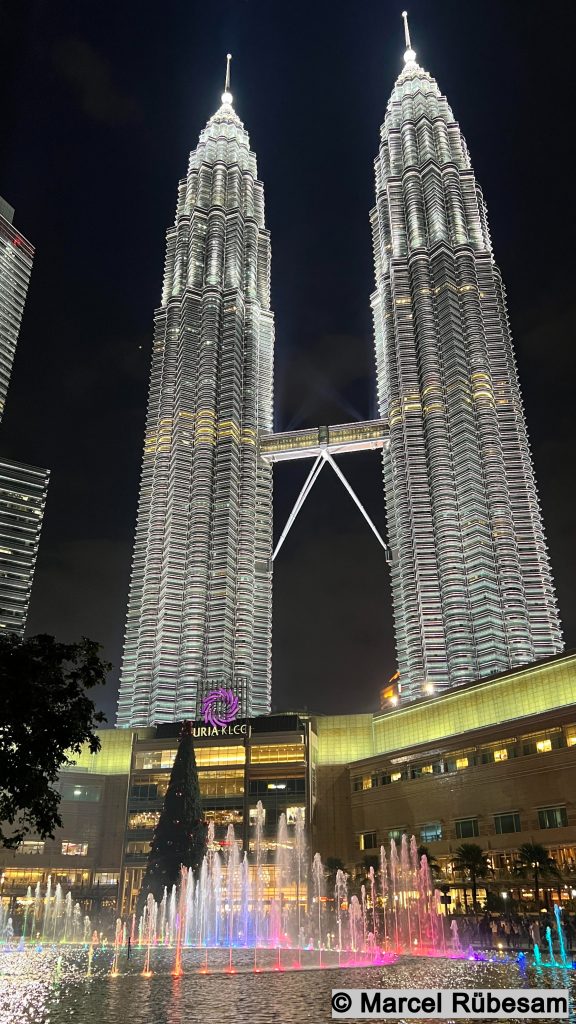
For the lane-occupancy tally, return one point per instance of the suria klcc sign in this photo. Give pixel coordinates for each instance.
(219, 713)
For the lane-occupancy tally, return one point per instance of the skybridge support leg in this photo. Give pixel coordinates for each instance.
(328, 458)
(310, 481)
(325, 456)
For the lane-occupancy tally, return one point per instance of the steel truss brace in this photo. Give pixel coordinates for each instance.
(324, 457)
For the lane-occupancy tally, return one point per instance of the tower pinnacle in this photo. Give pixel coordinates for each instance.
(227, 95)
(409, 55)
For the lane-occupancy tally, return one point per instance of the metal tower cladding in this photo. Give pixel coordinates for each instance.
(199, 612)
(472, 585)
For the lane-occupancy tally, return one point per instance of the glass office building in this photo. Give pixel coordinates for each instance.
(22, 488)
(16, 256)
(22, 499)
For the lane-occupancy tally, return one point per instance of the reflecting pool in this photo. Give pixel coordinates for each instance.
(59, 986)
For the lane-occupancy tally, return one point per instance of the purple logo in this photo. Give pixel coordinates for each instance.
(219, 708)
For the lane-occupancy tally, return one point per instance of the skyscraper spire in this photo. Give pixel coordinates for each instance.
(227, 95)
(409, 55)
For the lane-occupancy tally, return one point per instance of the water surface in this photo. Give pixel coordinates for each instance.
(37, 989)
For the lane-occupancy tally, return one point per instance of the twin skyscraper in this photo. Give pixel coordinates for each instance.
(472, 587)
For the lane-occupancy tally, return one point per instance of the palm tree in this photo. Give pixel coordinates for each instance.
(534, 859)
(433, 864)
(471, 861)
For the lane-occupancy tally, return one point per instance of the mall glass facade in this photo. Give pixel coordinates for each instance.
(270, 761)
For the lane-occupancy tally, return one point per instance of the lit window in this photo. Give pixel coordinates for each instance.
(143, 820)
(461, 762)
(31, 847)
(224, 816)
(542, 746)
(267, 752)
(76, 791)
(395, 776)
(106, 878)
(156, 759)
(74, 849)
(137, 849)
(367, 782)
(501, 755)
(222, 783)
(253, 812)
(368, 841)
(292, 814)
(208, 756)
(427, 769)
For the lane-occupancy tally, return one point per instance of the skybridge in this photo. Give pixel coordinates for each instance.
(322, 444)
(309, 443)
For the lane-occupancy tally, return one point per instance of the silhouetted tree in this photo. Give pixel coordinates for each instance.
(180, 835)
(471, 861)
(46, 717)
(433, 864)
(534, 859)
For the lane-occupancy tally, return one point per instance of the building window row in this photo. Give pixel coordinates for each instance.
(533, 743)
(469, 828)
(208, 757)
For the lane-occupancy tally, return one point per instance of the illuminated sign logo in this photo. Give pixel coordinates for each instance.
(219, 708)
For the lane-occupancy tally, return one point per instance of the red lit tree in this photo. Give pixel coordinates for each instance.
(180, 835)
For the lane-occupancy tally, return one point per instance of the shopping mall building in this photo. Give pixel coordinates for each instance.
(493, 763)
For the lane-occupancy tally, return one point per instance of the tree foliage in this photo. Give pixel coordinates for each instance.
(423, 851)
(180, 836)
(533, 859)
(472, 862)
(46, 716)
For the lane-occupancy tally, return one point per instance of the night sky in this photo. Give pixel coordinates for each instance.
(100, 104)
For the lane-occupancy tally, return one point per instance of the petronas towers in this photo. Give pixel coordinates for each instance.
(199, 612)
(471, 579)
(472, 587)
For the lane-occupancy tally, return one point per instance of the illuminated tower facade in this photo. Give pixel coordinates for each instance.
(472, 586)
(23, 488)
(199, 612)
(16, 256)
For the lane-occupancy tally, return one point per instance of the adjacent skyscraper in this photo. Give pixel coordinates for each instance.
(22, 500)
(472, 586)
(22, 488)
(199, 611)
(16, 255)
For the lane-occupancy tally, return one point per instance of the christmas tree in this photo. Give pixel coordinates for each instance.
(180, 835)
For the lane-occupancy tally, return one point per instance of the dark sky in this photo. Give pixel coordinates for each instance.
(100, 104)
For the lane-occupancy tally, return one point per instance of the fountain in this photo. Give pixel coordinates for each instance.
(268, 913)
